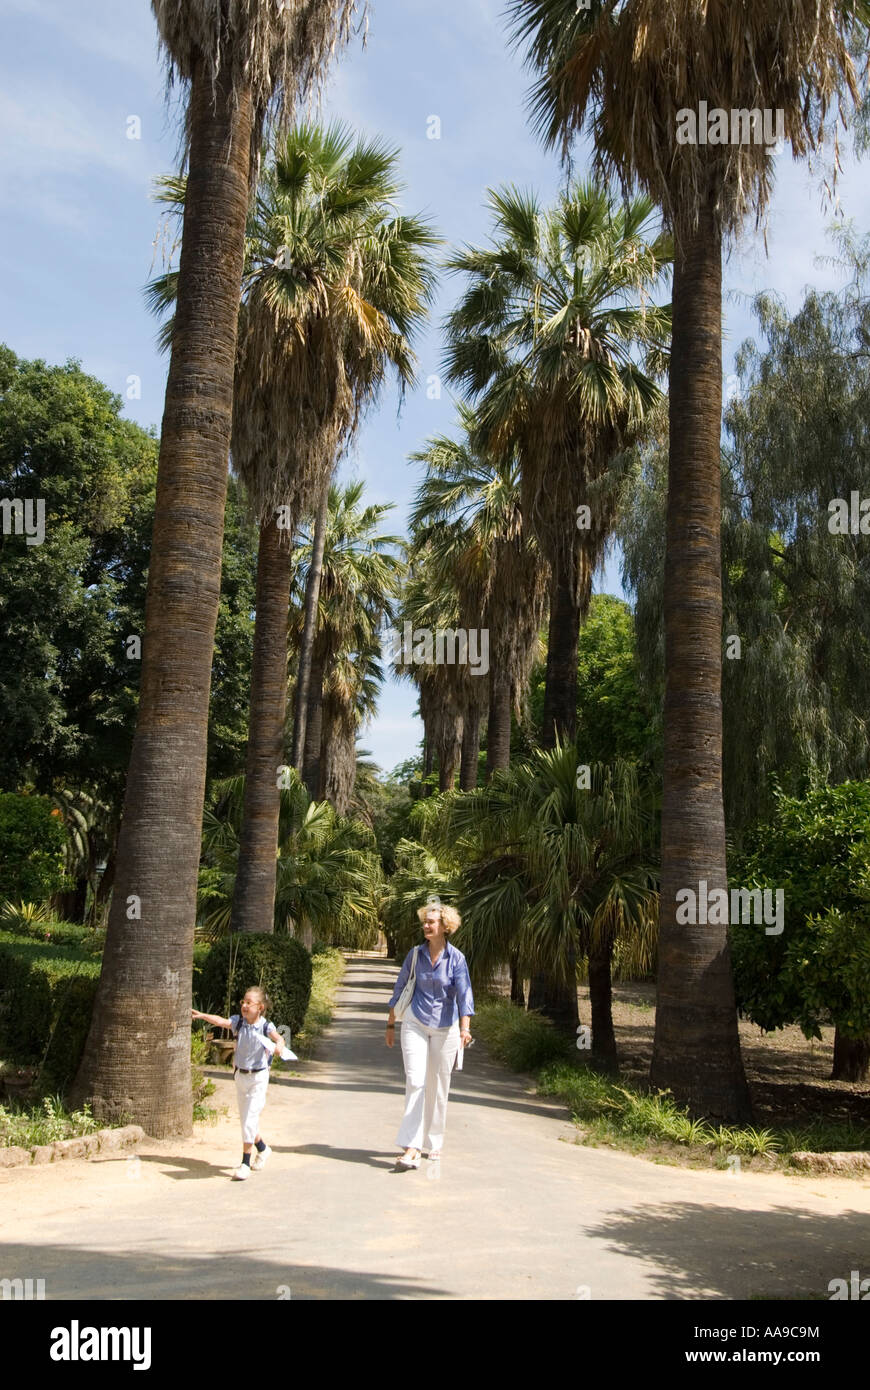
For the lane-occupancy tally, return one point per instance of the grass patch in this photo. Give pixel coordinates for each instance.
(612, 1112)
(328, 967)
(519, 1040)
(44, 1123)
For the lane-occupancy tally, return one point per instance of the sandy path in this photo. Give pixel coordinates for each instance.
(519, 1211)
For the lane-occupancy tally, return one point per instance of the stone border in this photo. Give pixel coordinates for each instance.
(103, 1141)
(833, 1162)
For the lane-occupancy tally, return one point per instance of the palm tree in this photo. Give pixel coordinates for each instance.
(335, 285)
(360, 575)
(551, 872)
(327, 867)
(472, 504)
(632, 74)
(243, 65)
(543, 340)
(339, 283)
(433, 601)
(306, 645)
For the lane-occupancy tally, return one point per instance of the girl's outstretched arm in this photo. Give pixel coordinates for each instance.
(214, 1019)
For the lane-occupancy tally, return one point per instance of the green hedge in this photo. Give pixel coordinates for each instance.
(46, 1000)
(280, 964)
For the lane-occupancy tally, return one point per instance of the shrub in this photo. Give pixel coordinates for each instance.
(44, 1124)
(38, 924)
(46, 1000)
(520, 1040)
(280, 964)
(32, 840)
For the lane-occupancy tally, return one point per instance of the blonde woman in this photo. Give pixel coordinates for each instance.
(433, 1031)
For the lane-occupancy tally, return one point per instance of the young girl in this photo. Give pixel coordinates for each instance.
(253, 1057)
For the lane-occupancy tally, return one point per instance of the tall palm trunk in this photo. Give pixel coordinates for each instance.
(604, 1052)
(309, 631)
(560, 690)
(311, 770)
(428, 760)
(557, 999)
(254, 895)
(498, 728)
(468, 763)
(696, 1051)
(137, 1056)
(449, 748)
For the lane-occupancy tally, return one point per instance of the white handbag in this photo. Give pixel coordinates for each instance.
(403, 1003)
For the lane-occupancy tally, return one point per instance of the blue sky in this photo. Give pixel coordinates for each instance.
(79, 226)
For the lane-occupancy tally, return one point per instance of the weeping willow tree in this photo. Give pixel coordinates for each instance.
(796, 595)
(554, 869)
(633, 74)
(242, 66)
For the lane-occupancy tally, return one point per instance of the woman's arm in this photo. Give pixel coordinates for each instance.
(465, 1001)
(214, 1019)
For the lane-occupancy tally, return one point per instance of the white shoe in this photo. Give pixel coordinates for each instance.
(403, 1162)
(434, 1155)
(258, 1160)
(242, 1172)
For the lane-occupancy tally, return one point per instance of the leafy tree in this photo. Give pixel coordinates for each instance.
(816, 851)
(614, 715)
(796, 595)
(33, 839)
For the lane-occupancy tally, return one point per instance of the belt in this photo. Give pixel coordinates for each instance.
(249, 1071)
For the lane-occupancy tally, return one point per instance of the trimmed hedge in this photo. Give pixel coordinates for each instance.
(46, 1000)
(280, 964)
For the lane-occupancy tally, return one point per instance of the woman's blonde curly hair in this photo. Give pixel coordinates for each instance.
(450, 918)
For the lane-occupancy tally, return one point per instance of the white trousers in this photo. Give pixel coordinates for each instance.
(428, 1054)
(251, 1095)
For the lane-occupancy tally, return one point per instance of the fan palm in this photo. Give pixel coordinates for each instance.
(432, 601)
(360, 577)
(475, 505)
(335, 285)
(327, 867)
(243, 64)
(544, 339)
(338, 284)
(552, 871)
(629, 73)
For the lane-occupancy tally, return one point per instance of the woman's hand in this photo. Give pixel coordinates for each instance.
(391, 1034)
(465, 1038)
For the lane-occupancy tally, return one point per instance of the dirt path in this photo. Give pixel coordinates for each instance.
(520, 1212)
